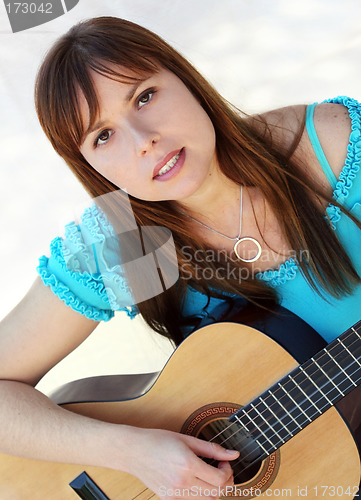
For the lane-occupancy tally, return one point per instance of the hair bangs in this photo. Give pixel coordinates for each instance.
(135, 70)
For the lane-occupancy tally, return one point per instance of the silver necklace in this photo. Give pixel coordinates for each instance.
(238, 238)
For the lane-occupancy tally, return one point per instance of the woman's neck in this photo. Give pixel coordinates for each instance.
(216, 201)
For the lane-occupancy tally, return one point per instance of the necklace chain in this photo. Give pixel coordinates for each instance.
(238, 238)
(221, 234)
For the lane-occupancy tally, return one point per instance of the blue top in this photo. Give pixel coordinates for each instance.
(72, 270)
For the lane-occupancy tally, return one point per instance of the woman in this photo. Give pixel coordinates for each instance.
(127, 112)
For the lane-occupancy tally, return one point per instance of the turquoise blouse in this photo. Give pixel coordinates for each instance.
(71, 271)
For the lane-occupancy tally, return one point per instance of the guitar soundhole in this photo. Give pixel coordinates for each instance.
(235, 438)
(211, 422)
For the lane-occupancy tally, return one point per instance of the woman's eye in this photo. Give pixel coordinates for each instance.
(145, 98)
(102, 138)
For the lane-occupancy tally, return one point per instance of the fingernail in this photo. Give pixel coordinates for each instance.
(232, 452)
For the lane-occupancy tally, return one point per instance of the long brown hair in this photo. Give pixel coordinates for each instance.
(246, 154)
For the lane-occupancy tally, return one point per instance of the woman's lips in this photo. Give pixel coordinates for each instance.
(167, 159)
(177, 164)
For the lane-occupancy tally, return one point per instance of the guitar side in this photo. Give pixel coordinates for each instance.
(219, 364)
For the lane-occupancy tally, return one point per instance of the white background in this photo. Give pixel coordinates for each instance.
(259, 54)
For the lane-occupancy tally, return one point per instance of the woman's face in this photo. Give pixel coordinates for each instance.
(152, 139)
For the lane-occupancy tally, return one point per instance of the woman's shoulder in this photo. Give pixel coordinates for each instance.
(332, 125)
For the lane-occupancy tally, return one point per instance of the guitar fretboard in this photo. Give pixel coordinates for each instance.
(307, 392)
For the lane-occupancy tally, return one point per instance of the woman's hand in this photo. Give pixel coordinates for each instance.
(168, 463)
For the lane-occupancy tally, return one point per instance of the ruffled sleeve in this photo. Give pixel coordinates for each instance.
(348, 188)
(83, 269)
(347, 191)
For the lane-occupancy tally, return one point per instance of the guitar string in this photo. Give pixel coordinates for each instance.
(305, 400)
(278, 445)
(280, 442)
(297, 375)
(262, 423)
(237, 431)
(140, 493)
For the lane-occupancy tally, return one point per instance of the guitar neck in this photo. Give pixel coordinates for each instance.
(304, 394)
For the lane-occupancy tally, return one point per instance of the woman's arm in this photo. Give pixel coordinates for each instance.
(37, 334)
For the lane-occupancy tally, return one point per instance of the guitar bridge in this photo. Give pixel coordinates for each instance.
(86, 488)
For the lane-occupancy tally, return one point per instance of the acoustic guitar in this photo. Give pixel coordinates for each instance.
(232, 384)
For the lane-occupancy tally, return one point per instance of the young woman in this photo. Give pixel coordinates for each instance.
(247, 199)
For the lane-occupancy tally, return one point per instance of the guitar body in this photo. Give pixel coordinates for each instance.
(213, 372)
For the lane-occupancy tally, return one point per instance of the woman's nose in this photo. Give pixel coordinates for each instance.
(145, 140)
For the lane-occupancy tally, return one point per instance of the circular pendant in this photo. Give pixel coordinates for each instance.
(248, 238)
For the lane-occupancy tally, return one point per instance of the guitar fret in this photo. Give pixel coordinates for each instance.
(249, 432)
(286, 411)
(318, 388)
(299, 391)
(320, 372)
(303, 392)
(355, 331)
(340, 367)
(338, 354)
(351, 341)
(349, 352)
(264, 425)
(328, 378)
(288, 403)
(267, 423)
(280, 426)
(294, 401)
(298, 406)
(261, 433)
